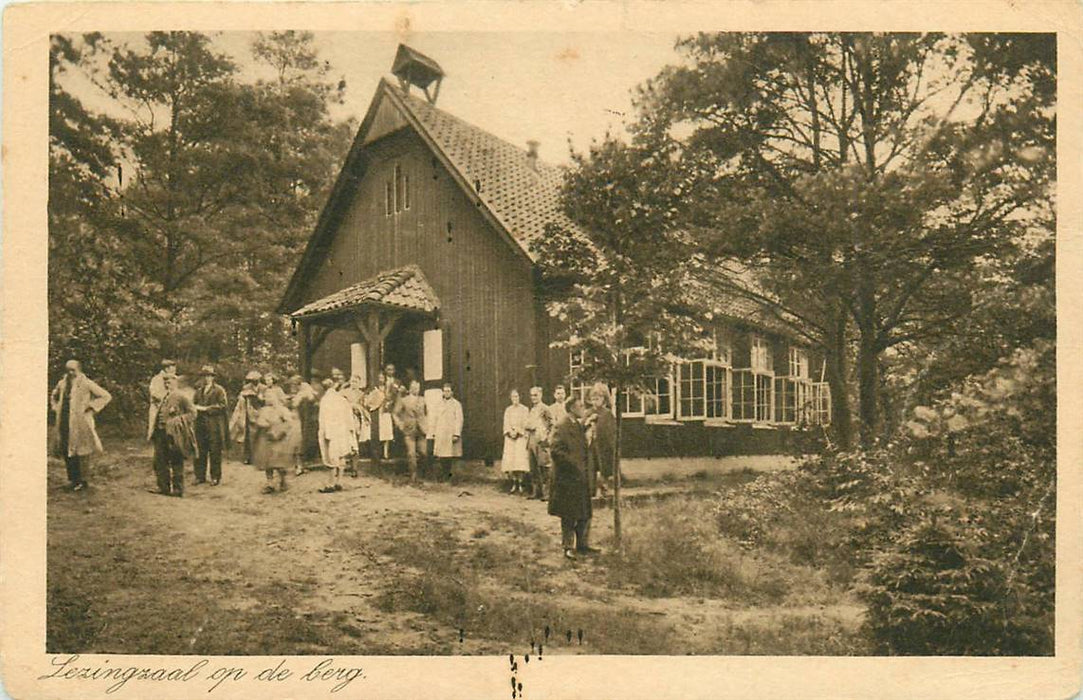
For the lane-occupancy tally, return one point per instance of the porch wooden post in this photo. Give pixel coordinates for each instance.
(375, 330)
(306, 351)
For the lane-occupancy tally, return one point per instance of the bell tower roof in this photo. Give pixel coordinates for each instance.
(412, 67)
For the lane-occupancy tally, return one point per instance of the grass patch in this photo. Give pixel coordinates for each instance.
(674, 548)
(772, 513)
(497, 591)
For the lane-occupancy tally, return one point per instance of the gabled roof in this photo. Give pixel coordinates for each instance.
(403, 288)
(517, 194)
(522, 195)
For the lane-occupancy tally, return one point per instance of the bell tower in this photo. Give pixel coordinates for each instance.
(414, 68)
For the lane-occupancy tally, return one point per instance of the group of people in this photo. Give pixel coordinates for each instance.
(353, 416)
(571, 448)
(272, 421)
(556, 452)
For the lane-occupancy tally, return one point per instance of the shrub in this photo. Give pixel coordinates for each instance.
(972, 568)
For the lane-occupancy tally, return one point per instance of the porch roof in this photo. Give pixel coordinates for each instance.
(403, 288)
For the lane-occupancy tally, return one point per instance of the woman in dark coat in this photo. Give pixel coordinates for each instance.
(569, 497)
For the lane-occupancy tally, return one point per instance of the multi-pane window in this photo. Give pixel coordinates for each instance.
(397, 192)
(761, 355)
(794, 396)
(754, 386)
(744, 395)
(577, 386)
(798, 363)
(632, 403)
(794, 391)
(717, 378)
(658, 401)
(692, 390)
(631, 400)
(821, 403)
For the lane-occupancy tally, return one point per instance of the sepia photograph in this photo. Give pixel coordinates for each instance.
(732, 343)
(397, 351)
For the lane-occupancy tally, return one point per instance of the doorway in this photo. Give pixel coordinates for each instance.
(403, 348)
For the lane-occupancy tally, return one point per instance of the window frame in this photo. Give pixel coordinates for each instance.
(761, 376)
(658, 416)
(576, 387)
(626, 411)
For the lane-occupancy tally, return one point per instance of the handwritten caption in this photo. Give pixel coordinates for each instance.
(326, 672)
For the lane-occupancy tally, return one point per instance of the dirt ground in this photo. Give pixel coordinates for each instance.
(379, 568)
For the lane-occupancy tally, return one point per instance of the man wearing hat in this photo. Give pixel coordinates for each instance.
(157, 393)
(244, 413)
(210, 403)
(174, 438)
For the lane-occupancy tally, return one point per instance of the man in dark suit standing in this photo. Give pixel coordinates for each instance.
(211, 430)
(571, 490)
(174, 438)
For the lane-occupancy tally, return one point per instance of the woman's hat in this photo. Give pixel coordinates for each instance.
(253, 376)
(207, 369)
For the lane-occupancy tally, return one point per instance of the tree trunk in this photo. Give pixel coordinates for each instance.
(616, 474)
(868, 383)
(835, 350)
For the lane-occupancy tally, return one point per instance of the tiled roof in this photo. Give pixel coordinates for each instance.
(402, 288)
(731, 291)
(522, 197)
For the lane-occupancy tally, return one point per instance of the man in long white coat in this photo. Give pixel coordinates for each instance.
(447, 430)
(338, 432)
(75, 401)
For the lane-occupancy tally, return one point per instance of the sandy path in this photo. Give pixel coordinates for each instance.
(228, 568)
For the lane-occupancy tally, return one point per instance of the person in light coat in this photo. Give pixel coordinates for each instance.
(275, 438)
(538, 425)
(447, 429)
(248, 403)
(157, 393)
(338, 438)
(301, 398)
(516, 459)
(75, 401)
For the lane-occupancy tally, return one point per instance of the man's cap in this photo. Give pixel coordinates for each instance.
(253, 376)
(169, 363)
(71, 364)
(207, 369)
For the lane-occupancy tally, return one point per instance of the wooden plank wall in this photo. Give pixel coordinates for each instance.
(485, 287)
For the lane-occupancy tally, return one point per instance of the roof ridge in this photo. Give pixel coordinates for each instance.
(413, 100)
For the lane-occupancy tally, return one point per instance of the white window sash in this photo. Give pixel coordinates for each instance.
(657, 398)
(689, 365)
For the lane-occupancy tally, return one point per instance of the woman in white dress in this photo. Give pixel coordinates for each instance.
(516, 459)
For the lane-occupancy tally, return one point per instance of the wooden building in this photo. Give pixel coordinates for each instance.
(421, 258)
